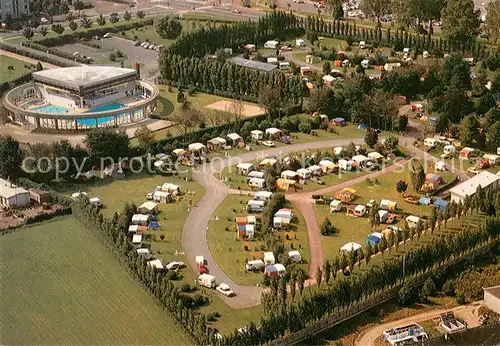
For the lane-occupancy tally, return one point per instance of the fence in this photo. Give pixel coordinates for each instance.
(377, 299)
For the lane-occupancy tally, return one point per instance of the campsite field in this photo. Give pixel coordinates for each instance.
(60, 286)
(229, 251)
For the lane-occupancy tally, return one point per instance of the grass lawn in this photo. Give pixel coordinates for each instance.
(228, 250)
(60, 286)
(19, 69)
(355, 229)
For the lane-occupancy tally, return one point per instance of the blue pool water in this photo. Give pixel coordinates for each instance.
(103, 108)
(51, 109)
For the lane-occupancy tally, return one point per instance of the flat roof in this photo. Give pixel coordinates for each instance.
(257, 65)
(7, 189)
(83, 76)
(469, 186)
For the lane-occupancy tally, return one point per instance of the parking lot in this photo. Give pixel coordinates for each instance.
(96, 54)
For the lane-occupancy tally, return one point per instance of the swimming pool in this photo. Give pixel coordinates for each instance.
(103, 108)
(51, 109)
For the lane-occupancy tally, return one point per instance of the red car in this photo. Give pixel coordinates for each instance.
(202, 269)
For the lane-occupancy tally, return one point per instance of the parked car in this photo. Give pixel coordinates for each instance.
(44, 20)
(225, 290)
(298, 1)
(236, 11)
(137, 43)
(175, 265)
(473, 171)
(370, 203)
(269, 144)
(107, 35)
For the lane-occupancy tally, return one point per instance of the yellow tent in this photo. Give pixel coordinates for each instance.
(285, 184)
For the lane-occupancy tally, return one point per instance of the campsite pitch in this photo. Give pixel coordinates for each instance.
(244, 109)
(60, 286)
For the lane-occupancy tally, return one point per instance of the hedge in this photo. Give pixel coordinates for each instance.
(56, 197)
(38, 56)
(55, 51)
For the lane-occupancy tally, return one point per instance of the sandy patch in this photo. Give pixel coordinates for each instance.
(242, 108)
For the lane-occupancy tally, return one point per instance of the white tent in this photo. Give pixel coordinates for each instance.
(257, 134)
(315, 170)
(338, 150)
(304, 173)
(350, 247)
(273, 131)
(196, 147)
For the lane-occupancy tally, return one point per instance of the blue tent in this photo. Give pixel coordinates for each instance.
(441, 203)
(154, 225)
(425, 201)
(339, 121)
(372, 240)
(362, 126)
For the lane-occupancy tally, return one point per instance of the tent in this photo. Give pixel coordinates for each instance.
(154, 225)
(350, 247)
(315, 170)
(388, 205)
(425, 201)
(285, 184)
(373, 238)
(338, 122)
(362, 126)
(327, 166)
(441, 203)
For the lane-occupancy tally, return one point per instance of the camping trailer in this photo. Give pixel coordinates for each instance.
(294, 256)
(206, 280)
(304, 173)
(257, 135)
(388, 205)
(269, 258)
(245, 167)
(430, 142)
(272, 44)
(255, 174)
(258, 183)
(256, 206)
(335, 205)
(412, 221)
(254, 265)
(262, 196)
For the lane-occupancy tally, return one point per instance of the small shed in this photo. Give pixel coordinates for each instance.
(466, 153)
(315, 170)
(349, 247)
(388, 204)
(338, 121)
(328, 166)
(294, 256)
(335, 205)
(257, 135)
(273, 132)
(245, 168)
(148, 207)
(269, 258)
(288, 174)
(39, 196)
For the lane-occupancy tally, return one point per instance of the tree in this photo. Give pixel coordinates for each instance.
(369, 253)
(335, 8)
(376, 9)
(28, 33)
(401, 186)
(371, 137)
(417, 176)
(428, 289)
(463, 27)
(407, 294)
(327, 227)
(270, 99)
(11, 68)
(101, 21)
(107, 143)
(493, 135)
(327, 67)
(327, 269)
(187, 118)
(43, 31)
(391, 142)
(73, 25)
(10, 152)
(270, 178)
(319, 276)
(469, 129)
(86, 22)
(57, 28)
(305, 126)
(140, 14)
(114, 18)
(127, 16)
(300, 281)
(493, 20)
(168, 27)
(414, 13)
(78, 5)
(145, 137)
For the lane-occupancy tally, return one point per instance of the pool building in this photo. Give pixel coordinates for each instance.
(77, 98)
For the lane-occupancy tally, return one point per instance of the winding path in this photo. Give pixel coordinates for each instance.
(194, 234)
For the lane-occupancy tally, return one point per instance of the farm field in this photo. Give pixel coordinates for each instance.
(61, 286)
(19, 69)
(228, 250)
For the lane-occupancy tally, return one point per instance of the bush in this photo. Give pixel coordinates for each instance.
(449, 288)
(173, 275)
(407, 294)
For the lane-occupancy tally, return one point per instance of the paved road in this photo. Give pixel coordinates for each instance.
(469, 313)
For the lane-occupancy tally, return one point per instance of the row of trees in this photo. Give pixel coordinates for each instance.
(113, 235)
(292, 315)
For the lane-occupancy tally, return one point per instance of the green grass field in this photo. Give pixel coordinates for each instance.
(20, 70)
(60, 286)
(228, 250)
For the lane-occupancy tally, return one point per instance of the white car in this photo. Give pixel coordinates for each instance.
(298, 1)
(225, 290)
(107, 35)
(175, 265)
(269, 144)
(44, 20)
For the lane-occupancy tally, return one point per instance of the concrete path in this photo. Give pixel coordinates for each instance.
(469, 313)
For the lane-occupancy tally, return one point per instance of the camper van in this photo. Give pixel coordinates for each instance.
(262, 196)
(206, 280)
(362, 44)
(255, 265)
(284, 65)
(256, 206)
(258, 183)
(430, 142)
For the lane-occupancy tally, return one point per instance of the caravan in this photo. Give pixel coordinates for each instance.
(256, 206)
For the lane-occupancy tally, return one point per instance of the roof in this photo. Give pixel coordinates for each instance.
(234, 136)
(494, 291)
(280, 267)
(217, 140)
(293, 253)
(136, 238)
(412, 218)
(244, 165)
(469, 187)
(273, 130)
(272, 42)
(8, 190)
(196, 146)
(314, 168)
(257, 65)
(256, 131)
(149, 205)
(83, 76)
(360, 158)
(264, 193)
(156, 264)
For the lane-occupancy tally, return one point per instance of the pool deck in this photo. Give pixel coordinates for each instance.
(126, 101)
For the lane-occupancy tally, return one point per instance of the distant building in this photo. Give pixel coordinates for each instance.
(14, 8)
(492, 298)
(12, 195)
(256, 65)
(469, 187)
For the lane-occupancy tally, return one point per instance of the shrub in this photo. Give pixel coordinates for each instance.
(173, 275)
(449, 288)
